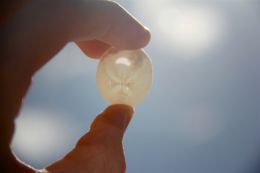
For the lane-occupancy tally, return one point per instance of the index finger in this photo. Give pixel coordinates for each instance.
(40, 30)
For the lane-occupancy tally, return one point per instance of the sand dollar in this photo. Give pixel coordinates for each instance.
(124, 76)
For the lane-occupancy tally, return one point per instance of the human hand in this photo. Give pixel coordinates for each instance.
(30, 38)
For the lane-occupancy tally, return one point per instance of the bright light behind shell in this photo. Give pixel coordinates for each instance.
(186, 28)
(190, 28)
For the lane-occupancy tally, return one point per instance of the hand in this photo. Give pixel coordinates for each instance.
(30, 37)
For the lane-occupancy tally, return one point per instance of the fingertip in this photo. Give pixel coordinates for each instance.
(111, 24)
(93, 48)
(123, 30)
(145, 37)
(109, 125)
(114, 116)
(136, 38)
(119, 115)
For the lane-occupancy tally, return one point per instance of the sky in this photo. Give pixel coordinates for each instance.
(202, 114)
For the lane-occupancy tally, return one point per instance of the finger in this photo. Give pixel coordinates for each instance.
(46, 26)
(121, 30)
(93, 48)
(112, 24)
(100, 150)
(109, 126)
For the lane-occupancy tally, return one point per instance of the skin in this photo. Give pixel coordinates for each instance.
(31, 33)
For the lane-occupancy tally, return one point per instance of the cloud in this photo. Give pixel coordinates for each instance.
(40, 136)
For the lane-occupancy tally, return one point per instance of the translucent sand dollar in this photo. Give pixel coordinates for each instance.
(124, 76)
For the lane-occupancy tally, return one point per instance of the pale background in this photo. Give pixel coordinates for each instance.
(202, 114)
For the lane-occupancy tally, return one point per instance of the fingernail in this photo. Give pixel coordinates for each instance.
(119, 115)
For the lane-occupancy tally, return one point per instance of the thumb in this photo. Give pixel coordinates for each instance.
(100, 150)
(109, 126)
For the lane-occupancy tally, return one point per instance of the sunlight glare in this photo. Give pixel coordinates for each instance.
(192, 29)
